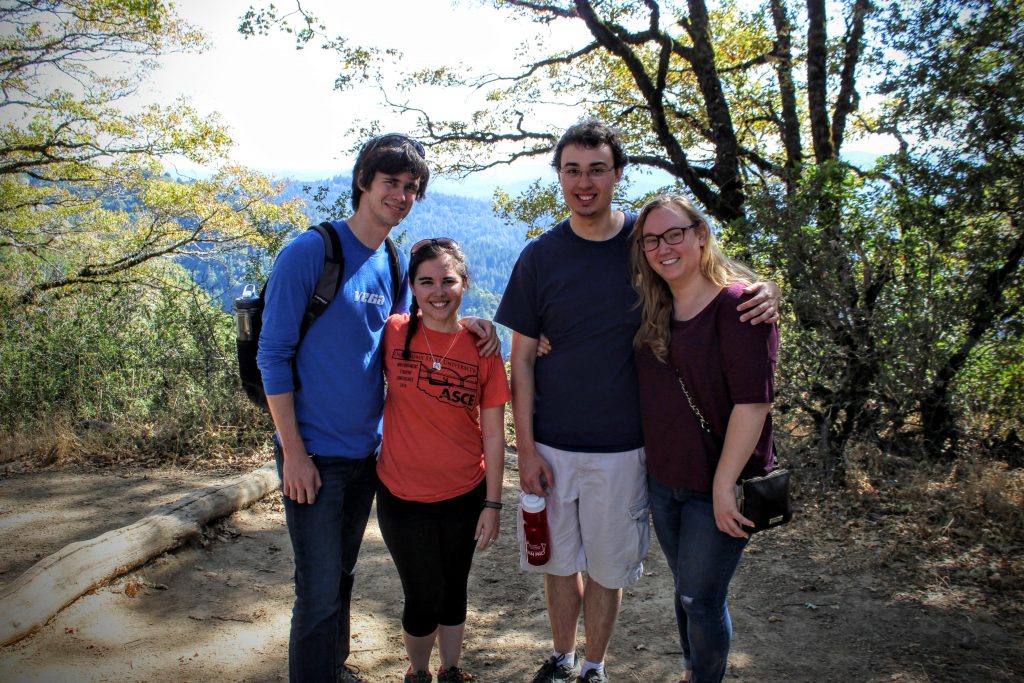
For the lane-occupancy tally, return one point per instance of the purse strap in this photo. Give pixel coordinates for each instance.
(705, 425)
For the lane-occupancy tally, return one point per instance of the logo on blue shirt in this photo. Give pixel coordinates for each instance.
(369, 298)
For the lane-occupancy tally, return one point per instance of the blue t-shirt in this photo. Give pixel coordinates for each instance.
(341, 396)
(578, 293)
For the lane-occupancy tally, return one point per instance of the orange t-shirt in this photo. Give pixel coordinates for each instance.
(433, 447)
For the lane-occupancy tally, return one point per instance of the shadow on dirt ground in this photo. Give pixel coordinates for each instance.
(807, 604)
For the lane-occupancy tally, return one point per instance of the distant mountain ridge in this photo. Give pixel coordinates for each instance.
(490, 245)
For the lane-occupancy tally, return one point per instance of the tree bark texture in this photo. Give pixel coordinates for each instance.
(817, 81)
(790, 128)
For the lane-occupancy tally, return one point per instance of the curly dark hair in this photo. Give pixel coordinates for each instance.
(591, 133)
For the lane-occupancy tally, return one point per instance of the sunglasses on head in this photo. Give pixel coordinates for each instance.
(442, 242)
(394, 140)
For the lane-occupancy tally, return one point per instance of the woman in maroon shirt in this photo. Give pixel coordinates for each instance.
(691, 342)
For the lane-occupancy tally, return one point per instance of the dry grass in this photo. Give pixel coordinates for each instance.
(94, 443)
(950, 533)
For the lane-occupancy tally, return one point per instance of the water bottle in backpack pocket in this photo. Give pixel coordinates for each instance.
(249, 313)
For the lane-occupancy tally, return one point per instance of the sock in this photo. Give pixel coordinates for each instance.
(567, 658)
(589, 666)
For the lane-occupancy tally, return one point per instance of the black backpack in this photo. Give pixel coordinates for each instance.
(249, 308)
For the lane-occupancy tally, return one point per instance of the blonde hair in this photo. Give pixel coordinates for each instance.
(655, 297)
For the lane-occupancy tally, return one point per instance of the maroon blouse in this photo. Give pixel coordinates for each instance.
(723, 362)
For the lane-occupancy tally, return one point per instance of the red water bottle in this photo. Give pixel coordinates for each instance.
(535, 528)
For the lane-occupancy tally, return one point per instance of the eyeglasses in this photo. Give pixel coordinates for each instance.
(394, 140)
(671, 236)
(442, 242)
(593, 174)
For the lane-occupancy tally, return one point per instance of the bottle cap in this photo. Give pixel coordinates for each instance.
(531, 502)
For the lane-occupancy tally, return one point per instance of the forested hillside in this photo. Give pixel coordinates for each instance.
(490, 244)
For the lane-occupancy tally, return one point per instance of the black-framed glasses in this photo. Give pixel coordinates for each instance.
(593, 173)
(394, 140)
(671, 236)
(443, 242)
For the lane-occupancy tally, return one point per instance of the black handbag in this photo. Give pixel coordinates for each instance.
(763, 500)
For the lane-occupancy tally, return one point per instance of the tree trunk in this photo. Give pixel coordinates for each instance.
(58, 580)
(817, 80)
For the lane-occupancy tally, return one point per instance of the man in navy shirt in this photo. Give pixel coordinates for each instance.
(576, 408)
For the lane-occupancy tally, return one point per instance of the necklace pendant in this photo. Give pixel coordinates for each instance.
(437, 365)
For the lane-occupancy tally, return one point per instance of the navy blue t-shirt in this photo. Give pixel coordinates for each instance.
(578, 293)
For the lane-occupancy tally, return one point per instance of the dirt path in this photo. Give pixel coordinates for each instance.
(807, 604)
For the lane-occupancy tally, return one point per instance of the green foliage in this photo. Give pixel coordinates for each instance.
(153, 353)
(903, 281)
(962, 84)
(536, 207)
(957, 107)
(359, 63)
(82, 198)
(98, 321)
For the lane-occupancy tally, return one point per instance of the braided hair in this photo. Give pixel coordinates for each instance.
(428, 250)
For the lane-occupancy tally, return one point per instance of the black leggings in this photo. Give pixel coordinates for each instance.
(432, 545)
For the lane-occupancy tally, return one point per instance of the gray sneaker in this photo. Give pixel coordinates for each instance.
(553, 671)
(595, 676)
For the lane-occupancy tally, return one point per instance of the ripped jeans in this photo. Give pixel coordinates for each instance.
(703, 561)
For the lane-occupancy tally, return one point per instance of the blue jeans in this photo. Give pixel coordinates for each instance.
(325, 542)
(703, 561)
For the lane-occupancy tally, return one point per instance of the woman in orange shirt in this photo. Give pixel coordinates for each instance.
(442, 456)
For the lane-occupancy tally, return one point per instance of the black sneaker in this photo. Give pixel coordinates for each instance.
(595, 676)
(417, 677)
(554, 671)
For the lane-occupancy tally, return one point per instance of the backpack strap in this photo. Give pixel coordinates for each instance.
(396, 272)
(326, 287)
(330, 279)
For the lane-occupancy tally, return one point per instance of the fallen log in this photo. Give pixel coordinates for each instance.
(56, 581)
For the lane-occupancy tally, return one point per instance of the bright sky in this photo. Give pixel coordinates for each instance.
(279, 102)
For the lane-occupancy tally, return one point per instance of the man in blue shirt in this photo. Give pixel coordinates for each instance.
(329, 425)
(576, 408)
